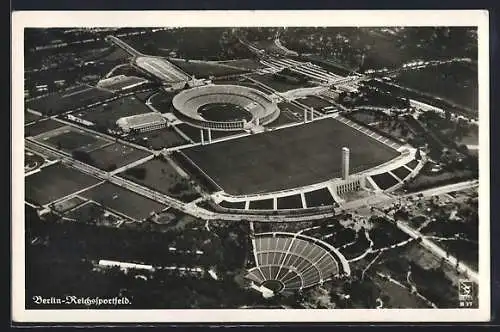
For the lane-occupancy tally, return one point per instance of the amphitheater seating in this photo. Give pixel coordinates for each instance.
(296, 262)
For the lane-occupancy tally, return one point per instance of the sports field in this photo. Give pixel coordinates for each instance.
(122, 200)
(161, 176)
(72, 98)
(115, 156)
(54, 182)
(40, 127)
(105, 115)
(70, 139)
(287, 158)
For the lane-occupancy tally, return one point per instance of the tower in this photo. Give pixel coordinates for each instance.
(345, 163)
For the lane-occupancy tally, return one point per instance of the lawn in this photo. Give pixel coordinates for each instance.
(161, 176)
(315, 102)
(320, 197)
(289, 202)
(70, 139)
(30, 117)
(158, 139)
(207, 69)
(287, 158)
(123, 201)
(54, 182)
(455, 82)
(115, 156)
(105, 115)
(40, 127)
(276, 84)
(384, 180)
(70, 99)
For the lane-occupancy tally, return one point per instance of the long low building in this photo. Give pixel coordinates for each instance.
(142, 122)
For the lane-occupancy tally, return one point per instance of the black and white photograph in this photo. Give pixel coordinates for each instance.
(327, 162)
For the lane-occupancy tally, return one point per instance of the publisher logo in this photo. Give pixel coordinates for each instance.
(467, 294)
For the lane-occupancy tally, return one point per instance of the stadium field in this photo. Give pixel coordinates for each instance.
(115, 156)
(70, 99)
(122, 200)
(287, 158)
(69, 139)
(54, 182)
(40, 127)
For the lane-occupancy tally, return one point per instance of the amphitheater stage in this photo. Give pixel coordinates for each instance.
(287, 158)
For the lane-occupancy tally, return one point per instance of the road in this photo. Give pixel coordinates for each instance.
(126, 47)
(388, 199)
(438, 251)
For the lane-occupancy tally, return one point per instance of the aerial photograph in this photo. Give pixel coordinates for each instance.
(251, 167)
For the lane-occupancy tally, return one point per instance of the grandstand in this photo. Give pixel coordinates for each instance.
(187, 103)
(286, 261)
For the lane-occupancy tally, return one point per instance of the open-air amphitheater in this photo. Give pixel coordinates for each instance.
(289, 262)
(262, 109)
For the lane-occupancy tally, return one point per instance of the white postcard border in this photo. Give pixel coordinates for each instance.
(311, 18)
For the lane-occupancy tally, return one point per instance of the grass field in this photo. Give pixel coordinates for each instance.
(207, 69)
(456, 82)
(32, 161)
(278, 85)
(263, 204)
(384, 180)
(123, 201)
(158, 139)
(232, 205)
(70, 139)
(289, 113)
(243, 82)
(30, 117)
(54, 182)
(314, 102)
(115, 156)
(162, 101)
(73, 98)
(289, 202)
(38, 128)
(159, 175)
(401, 172)
(287, 158)
(244, 63)
(105, 115)
(224, 112)
(320, 197)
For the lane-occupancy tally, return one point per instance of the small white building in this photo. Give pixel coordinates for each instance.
(142, 122)
(125, 265)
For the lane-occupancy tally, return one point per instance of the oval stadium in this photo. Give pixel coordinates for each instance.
(225, 107)
(288, 262)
